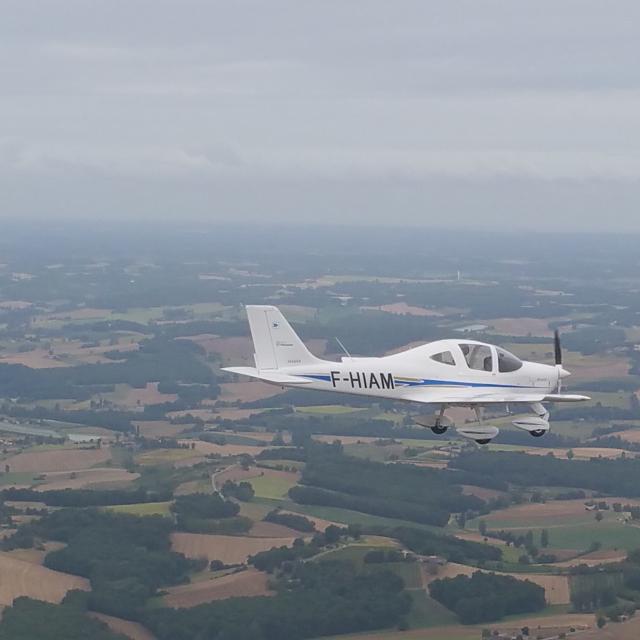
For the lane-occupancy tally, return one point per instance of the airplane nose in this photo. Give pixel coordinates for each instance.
(563, 373)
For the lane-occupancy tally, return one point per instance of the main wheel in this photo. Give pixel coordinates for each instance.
(538, 433)
(439, 429)
(484, 441)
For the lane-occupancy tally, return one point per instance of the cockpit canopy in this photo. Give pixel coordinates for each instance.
(478, 356)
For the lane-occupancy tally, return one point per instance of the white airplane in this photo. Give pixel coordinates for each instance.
(447, 373)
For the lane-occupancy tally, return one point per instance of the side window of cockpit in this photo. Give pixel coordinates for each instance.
(478, 356)
(446, 357)
(507, 362)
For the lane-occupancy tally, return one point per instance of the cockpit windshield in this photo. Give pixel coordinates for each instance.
(507, 362)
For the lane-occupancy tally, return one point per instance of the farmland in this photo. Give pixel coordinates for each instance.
(236, 585)
(22, 578)
(113, 405)
(229, 549)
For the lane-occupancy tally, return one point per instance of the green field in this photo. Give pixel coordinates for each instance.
(353, 553)
(370, 451)
(143, 508)
(585, 518)
(577, 533)
(345, 516)
(274, 464)
(18, 478)
(408, 571)
(611, 535)
(427, 612)
(332, 409)
(271, 486)
(164, 456)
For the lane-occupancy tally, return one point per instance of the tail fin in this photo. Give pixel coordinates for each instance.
(276, 344)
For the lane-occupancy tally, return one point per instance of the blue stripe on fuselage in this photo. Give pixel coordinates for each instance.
(432, 383)
(457, 383)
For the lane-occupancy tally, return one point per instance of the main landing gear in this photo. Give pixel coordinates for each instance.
(438, 423)
(537, 425)
(442, 423)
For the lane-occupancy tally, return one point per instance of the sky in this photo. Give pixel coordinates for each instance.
(437, 113)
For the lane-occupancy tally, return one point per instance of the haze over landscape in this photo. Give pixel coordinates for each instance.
(387, 175)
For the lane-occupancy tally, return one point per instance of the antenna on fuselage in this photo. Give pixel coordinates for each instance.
(342, 346)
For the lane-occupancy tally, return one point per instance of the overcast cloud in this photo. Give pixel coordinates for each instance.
(481, 113)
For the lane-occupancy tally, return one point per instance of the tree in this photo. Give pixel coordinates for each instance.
(601, 621)
(332, 534)
(570, 454)
(482, 527)
(544, 538)
(599, 516)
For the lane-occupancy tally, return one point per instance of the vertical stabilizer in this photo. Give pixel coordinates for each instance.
(276, 344)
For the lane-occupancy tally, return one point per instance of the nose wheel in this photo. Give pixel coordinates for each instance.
(538, 433)
(439, 429)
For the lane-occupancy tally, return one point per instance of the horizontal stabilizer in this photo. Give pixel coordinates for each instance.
(268, 376)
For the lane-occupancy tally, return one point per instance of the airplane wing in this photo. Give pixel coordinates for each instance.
(468, 397)
(274, 377)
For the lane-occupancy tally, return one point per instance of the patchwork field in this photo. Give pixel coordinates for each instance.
(273, 484)
(243, 584)
(247, 391)
(63, 459)
(569, 524)
(143, 509)
(604, 556)
(630, 435)
(132, 398)
(552, 513)
(127, 628)
(21, 578)
(402, 308)
(234, 350)
(166, 456)
(520, 326)
(204, 448)
(229, 549)
(272, 530)
(86, 479)
(556, 587)
(34, 556)
(159, 428)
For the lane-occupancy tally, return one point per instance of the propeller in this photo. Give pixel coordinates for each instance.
(557, 349)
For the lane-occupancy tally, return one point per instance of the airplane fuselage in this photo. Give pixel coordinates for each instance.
(411, 375)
